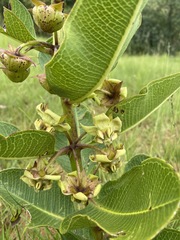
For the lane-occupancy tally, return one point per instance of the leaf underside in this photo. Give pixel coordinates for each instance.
(147, 195)
(168, 234)
(135, 109)
(47, 208)
(95, 34)
(18, 23)
(6, 129)
(26, 144)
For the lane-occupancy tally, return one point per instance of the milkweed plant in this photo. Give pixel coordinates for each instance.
(76, 179)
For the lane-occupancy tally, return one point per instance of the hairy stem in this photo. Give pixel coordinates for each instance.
(70, 113)
(56, 41)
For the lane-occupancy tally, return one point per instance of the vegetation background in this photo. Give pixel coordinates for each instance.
(159, 32)
(153, 53)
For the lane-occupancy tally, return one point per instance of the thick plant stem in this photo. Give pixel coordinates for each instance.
(56, 42)
(70, 113)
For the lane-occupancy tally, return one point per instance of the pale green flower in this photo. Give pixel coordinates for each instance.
(110, 160)
(105, 129)
(82, 187)
(39, 176)
(50, 120)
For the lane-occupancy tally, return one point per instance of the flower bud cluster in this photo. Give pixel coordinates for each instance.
(81, 187)
(40, 176)
(15, 66)
(105, 131)
(50, 121)
(49, 18)
(110, 159)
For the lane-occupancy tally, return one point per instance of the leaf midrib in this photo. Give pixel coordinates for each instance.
(138, 212)
(25, 202)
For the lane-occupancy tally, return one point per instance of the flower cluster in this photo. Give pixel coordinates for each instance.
(81, 187)
(40, 175)
(105, 131)
(110, 159)
(50, 121)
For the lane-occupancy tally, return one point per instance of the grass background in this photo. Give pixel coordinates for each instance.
(157, 136)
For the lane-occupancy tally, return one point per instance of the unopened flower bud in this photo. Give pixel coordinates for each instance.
(16, 67)
(15, 62)
(16, 76)
(49, 18)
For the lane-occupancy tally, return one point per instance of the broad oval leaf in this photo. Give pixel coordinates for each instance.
(135, 109)
(47, 208)
(175, 222)
(168, 234)
(15, 27)
(95, 34)
(135, 161)
(26, 144)
(147, 195)
(23, 14)
(6, 129)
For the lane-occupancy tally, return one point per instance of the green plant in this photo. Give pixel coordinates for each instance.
(76, 180)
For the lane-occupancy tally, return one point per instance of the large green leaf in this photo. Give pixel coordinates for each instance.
(135, 109)
(136, 206)
(135, 161)
(15, 27)
(168, 234)
(23, 14)
(47, 208)
(6, 129)
(26, 144)
(175, 222)
(95, 34)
